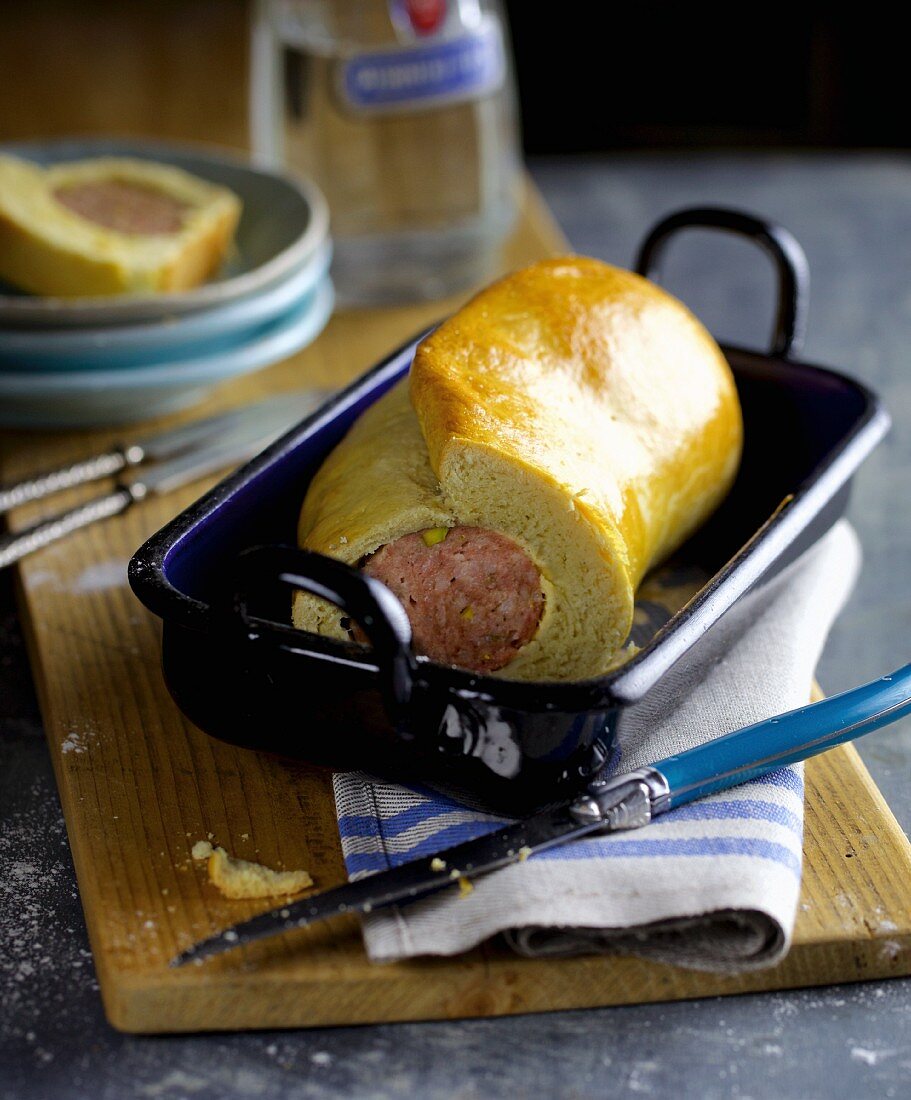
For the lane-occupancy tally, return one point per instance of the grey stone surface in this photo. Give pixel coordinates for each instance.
(853, 214)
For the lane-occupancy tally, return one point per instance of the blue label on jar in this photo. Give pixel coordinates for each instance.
(449, 71)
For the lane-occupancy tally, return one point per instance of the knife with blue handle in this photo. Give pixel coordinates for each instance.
(622, 802)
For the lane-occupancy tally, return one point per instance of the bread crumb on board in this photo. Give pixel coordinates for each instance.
(239, 878)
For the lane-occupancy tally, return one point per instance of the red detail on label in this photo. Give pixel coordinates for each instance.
(426, 16)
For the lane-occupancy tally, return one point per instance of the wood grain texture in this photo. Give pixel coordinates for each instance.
(139, 785)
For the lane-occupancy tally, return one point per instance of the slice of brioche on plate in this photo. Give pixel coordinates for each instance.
(110, 225)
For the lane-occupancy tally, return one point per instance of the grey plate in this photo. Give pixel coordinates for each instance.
(283, 222)
(93, 398)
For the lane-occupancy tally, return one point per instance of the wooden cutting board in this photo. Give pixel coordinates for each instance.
(139, 785)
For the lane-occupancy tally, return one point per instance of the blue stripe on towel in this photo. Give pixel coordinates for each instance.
(367, 825)
(358, 863)
(709, 846)
(463, 824)
(351, 825)
(748, 809)
(436, 805)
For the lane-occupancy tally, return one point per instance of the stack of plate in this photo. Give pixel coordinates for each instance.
(93, 361)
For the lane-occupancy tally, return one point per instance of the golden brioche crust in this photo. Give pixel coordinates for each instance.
(572, 406)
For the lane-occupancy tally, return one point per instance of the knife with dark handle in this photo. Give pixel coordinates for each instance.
(622, 802)
(163, 477)
(16, 546)
(196, 450)
(44, 484)
(155, 448)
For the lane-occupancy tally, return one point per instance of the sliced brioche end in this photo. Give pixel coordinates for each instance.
(47, 248)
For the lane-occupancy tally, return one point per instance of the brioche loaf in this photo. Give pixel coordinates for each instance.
(575, 412)
(110, 226)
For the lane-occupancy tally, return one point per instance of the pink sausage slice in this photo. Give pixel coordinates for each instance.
(474, 599)
(124, 207)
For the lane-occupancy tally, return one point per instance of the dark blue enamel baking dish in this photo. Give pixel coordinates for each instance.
(220, 577)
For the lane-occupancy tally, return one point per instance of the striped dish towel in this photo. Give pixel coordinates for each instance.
(713, 885)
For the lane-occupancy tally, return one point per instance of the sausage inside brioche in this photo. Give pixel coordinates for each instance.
(562, 433)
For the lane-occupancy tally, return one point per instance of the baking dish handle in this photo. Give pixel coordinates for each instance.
(787, 255)
(364, 599)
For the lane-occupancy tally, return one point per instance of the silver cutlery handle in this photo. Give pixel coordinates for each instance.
(19, 543)
(65, 477)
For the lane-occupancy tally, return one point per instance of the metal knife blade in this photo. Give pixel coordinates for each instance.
(241, 436)
(404, 883)
(154, 448)
(197, 433)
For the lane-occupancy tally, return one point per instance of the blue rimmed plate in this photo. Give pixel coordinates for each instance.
(90, 398)
(167, 339)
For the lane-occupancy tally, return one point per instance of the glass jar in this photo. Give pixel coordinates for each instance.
(404, 112)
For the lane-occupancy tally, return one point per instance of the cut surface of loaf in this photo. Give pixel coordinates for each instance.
(575, 409)
(110, 225)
